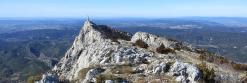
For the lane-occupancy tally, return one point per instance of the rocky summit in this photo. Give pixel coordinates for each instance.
(102, 54)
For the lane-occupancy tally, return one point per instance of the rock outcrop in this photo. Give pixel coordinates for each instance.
(185, 72)
(49, 78)
(91, 75)
(102, 54)
(153, 40)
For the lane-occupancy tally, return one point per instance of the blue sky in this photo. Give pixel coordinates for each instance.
(122, 8)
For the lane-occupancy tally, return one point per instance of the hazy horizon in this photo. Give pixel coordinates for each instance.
(126, 8)
(99, 18)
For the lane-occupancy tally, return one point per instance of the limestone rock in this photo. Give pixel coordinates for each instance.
(153, 40)
(160, 68)
(185, 72)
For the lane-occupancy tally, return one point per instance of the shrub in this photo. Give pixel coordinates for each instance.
(141, 44)
(83, 72)
(163, 50)
(123, 69)
(213, 58)
(209, 57)
(222, 60)
(179, 46)
(33, 79)
(140, 80)
(200, 51)
(168, 66)
(208, 74)
(102, 77)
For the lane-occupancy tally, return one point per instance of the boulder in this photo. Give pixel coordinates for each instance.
(160, 68)
(185, 72)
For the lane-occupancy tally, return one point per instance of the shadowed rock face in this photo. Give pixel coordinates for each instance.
(103, 54)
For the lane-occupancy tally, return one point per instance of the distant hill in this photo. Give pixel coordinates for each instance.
(32, 52)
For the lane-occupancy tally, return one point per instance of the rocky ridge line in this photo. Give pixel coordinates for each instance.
(102, 54)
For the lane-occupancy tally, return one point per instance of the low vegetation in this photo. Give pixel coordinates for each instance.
(239, 67)
(208, 73)
(140, 80)
(102, 77)
(211, 57)
(122, 69)
(33, 79)
(114, 34)
(83, 73)
(168, 66)
(114, 74)
(163, 50)
(141, 44)
(179, 46)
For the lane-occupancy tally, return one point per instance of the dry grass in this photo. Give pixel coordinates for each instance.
(211, 57)
(33, 79)
(82, 73)
(155, 79)
(122, 69)
(239, 67)
(140, 80)
(208, 74)
(163, 50)
(102, 77)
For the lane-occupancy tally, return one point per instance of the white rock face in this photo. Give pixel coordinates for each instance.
(185, 72)
(99, 48)
(94, 46)
(160, 68)
(153, 40)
